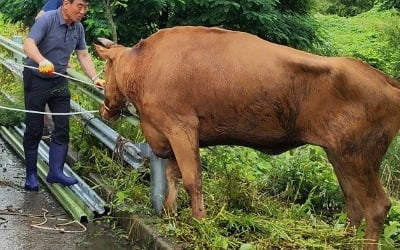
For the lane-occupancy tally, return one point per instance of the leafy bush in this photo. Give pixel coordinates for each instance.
(344, 8)
(20, 10)
(391, 233)
(304, 175)
(388, 4)
(9, 93)
(390, 170)
(10, 118)
(371, 37)
(391, 35)
(244, 175)
(231, 171)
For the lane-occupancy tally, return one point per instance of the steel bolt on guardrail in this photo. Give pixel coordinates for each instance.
(133, 154)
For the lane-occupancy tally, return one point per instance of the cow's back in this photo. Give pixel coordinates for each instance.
(243, 89)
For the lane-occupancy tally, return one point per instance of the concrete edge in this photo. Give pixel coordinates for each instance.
(139, 233)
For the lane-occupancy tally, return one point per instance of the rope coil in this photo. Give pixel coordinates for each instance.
(57, 226)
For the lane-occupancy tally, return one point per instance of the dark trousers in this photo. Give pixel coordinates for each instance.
(38, 91)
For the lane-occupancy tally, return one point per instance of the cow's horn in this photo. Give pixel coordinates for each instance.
(105, 42)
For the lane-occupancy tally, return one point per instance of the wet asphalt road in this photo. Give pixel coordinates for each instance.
(18, 208)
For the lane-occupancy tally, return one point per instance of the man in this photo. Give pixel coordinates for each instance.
(50, 43)
(48, 122)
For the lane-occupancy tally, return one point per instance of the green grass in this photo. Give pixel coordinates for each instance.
(364, 37)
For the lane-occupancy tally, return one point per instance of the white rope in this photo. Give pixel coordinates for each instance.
(48, 113)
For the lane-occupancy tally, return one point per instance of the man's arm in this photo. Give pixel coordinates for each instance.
(32, 51)
(86, 63)
(88, 67)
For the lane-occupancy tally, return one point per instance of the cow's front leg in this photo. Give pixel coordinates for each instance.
(185, 144)
(173, 174)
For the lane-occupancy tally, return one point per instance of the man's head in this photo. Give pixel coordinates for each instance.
(74, 10)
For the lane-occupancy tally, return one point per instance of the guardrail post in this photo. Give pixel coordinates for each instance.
(158, 177)
(158, 181)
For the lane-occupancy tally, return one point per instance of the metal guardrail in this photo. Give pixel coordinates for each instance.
(109, 137)
(132, 153)
(14, 46)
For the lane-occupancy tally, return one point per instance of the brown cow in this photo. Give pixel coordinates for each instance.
(195, 87)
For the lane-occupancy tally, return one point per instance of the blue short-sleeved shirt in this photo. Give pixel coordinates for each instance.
(52, 5)
(56, 40)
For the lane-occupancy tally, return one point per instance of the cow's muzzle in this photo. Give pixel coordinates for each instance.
(109, 114)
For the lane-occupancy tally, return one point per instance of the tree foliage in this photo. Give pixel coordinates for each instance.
(388, 4)
(20, 10)
(285, 21)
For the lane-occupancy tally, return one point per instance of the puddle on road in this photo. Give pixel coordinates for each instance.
(17, 207)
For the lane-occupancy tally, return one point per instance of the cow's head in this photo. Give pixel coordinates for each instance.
(114, 99)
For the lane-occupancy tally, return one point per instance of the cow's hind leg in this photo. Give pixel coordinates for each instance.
(358, 175)
(353, 207)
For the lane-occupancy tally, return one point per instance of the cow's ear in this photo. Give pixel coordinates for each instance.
(104, 53)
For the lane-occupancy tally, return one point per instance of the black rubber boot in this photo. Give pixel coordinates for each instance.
(31, 182)
(57, 156)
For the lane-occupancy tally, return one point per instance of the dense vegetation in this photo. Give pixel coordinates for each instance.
(371, 37)
(286, 22)
(254, 200)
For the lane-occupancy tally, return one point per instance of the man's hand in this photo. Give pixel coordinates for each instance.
(46, 67)
(100, 83)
